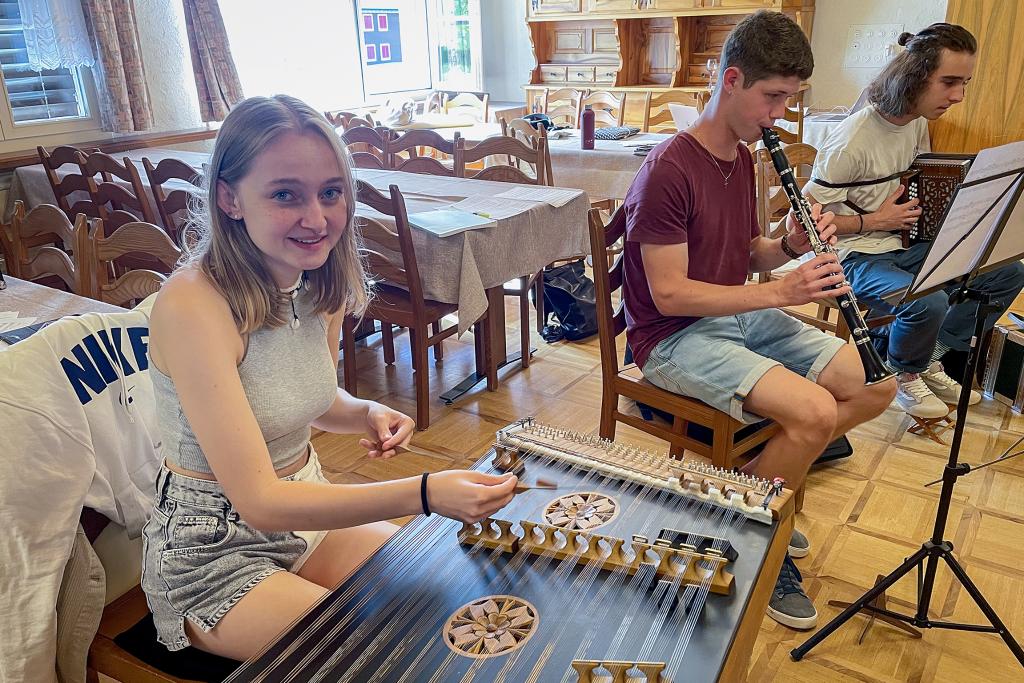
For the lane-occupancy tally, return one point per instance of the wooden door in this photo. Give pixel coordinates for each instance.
(541, 7)
(991, 113)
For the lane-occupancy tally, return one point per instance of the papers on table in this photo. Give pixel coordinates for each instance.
(555, 196)
(492, 207)
(451, 221)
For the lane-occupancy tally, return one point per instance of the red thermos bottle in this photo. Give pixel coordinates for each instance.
(587, 128)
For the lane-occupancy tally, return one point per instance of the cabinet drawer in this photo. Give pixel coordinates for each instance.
(605, 74)
(552, 73)
(580, 74)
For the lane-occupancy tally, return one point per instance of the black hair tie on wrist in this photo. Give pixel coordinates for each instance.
(423, 494)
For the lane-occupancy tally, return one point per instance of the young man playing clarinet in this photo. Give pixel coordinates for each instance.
(878, 142)
(693, 325)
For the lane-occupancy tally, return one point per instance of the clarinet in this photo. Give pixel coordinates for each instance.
(874, 370)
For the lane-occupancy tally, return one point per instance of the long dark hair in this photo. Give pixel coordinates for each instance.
(896, 89)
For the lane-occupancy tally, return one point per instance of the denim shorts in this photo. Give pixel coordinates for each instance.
(719, 360)
(200, 558)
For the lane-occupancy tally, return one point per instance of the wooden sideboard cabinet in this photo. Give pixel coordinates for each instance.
(647, 44)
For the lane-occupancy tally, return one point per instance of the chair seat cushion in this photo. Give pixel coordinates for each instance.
(190, 663)
(394, 305)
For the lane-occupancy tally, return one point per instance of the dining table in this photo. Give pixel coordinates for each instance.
(468, 269)
(604, 172)
(44, 304)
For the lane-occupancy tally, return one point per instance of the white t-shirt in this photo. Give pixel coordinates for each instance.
(863, 147)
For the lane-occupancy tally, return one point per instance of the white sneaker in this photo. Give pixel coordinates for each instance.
(915, 398)
(944, 386)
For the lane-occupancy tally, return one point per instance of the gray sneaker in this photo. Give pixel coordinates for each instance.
(789, 605)
(944, 386)
(799, 546)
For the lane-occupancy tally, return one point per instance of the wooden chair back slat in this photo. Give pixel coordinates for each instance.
(414, 139)
(137, 237)
(658, 116)
(771, 200)
(610, 323)
(73, 182)
(414, 143)
(378, 236)
(515, 150)
(170, 203)
(475, 104)
(32, 239)
(607, 107)
(367, 194)
(426, 166)
(131, 287)
(521, 130)
(110, 195)
(366, 140)
(563, 106)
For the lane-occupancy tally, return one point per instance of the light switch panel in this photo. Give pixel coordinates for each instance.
(870, 45)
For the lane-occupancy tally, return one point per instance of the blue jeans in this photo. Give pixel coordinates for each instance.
(919, 323)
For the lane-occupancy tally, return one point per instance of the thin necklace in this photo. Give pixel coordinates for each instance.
(292, 293)
(714, 161)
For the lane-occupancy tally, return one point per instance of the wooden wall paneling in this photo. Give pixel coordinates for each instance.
(991, 113)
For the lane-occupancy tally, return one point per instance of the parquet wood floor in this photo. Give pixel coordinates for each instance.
(863, 514)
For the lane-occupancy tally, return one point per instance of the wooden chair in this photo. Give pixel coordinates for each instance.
(64, 189)
(344, 119)
(414, 143)
(475, 104)
(563, 106)
(608, 108)
(33, 254)
(369, 146)
(727, 444)
(658, 116)
(110, 196)
(98, 252)
(521, 130)
(170, 203)
(398, 298)
(794, 114)
(518, 153)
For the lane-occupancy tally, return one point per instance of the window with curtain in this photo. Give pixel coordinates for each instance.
(35, 97)
(456, 34)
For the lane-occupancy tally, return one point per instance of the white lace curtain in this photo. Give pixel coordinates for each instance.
(55, 34)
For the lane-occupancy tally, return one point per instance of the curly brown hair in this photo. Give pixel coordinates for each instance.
(895, 91)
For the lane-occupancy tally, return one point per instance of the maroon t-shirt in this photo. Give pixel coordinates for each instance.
(678, 196)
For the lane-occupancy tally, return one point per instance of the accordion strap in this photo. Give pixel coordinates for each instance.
(857, 183)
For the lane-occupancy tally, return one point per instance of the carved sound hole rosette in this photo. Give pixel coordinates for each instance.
(491, 626)
(582, 511)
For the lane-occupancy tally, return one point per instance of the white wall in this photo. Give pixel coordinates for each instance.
(508, 57)
(507, 54)
(165, 56)
(832, 85)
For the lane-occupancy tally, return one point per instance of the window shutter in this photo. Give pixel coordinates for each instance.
(34, 95)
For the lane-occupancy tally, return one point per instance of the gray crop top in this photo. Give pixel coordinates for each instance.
(289, 378)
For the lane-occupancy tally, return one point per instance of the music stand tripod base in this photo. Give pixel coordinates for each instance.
(935, 548)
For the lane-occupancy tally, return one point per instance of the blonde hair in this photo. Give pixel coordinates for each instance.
(221, 247)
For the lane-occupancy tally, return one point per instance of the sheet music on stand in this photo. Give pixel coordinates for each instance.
(983, 228)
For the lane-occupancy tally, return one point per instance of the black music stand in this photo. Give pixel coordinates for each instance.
(971, 240)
